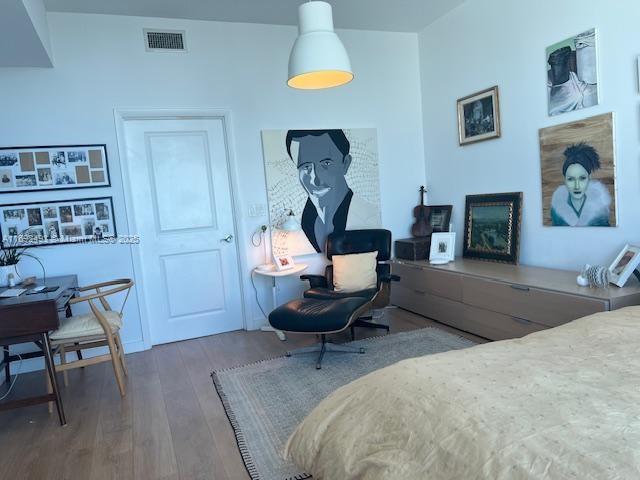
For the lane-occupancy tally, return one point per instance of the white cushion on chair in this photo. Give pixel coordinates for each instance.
(354, 272)
(86, 326)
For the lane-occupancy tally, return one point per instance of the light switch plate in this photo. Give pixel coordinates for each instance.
(257, 210)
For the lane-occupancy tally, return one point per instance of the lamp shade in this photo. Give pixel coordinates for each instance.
(290, 224)
(318, 58)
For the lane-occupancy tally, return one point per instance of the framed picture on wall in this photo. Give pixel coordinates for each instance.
(61, 167)
(492, 227)
(577, 162)
(55, 223)
(572, 73)
(479, 116)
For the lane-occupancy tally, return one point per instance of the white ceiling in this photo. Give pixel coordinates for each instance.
(390, 15)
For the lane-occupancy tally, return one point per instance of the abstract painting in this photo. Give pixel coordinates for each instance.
(578, 173)
(572, 73)
(327, 178)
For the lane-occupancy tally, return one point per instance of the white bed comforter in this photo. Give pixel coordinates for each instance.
(558, 404)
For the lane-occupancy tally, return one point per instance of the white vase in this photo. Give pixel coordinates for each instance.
(4, 274)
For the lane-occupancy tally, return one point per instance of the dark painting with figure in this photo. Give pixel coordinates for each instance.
(578, 173)
(328, 178)
(479, 116)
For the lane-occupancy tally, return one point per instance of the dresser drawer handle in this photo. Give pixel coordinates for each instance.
(522, 288)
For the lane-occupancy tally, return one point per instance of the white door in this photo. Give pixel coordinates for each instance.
(182, 209)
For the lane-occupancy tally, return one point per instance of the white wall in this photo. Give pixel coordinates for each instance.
(502, 42)
(101, 64)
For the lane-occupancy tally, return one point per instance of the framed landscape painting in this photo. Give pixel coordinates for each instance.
(61, 167)
(492, 227)
(479, 116)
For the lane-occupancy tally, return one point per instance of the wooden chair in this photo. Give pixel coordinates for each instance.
(99, 328)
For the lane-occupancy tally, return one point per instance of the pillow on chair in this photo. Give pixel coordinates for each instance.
(355, 272)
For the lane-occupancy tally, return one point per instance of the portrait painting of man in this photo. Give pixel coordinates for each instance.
(327, 178)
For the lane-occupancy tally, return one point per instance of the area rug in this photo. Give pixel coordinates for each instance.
(265, 401)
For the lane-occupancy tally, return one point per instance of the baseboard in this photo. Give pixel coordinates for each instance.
(35, 364)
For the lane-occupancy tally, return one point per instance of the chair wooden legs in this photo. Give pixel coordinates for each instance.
(123, 363)
(117, 365)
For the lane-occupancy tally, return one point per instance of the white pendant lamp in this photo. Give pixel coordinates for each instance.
(318, 58)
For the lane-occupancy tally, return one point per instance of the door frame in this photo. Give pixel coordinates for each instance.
(122, 116)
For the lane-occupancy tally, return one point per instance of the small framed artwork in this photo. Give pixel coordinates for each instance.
(625, 265)
(572, 73)
(284, 262)
(61, 167)
(479, 116)
(443, 247)
(492, 227)
(439, 217)
(55, 223)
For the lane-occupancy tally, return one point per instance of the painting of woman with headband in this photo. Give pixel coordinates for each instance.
(578, 173)
(572, 73)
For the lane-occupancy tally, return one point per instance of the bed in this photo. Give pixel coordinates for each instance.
(563, 403)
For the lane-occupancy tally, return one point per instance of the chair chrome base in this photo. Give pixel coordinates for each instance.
(323, 347)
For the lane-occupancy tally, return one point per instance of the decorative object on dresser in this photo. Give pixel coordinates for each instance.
(492, 227)
(479, 116)
(594, 276)
(421, 228)
(443, 246)
(412, 248)
(625, 264)
(499, 301)
(57, 222)
(28, 169)
(578, 173)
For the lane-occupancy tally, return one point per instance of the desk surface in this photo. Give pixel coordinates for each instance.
(64, 283)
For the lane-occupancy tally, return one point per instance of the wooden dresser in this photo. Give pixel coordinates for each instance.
(498, 301)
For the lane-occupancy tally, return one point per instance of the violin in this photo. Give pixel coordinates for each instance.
(421, 227)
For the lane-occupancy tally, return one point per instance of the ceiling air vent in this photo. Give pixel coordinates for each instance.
(164, 41)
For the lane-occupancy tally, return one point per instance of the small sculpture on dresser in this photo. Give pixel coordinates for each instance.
(595, 276)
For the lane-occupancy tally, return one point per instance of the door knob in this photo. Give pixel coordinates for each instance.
(228, 239)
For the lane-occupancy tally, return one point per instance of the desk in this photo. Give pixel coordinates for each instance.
(30, 318)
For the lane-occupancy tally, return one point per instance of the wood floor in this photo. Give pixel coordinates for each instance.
(171, 425)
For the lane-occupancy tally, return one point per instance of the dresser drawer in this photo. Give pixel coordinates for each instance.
(437, 308)
(496, 326)
(540, 306)
(429, 280)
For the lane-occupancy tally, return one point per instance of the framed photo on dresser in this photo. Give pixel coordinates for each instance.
(60, 167)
